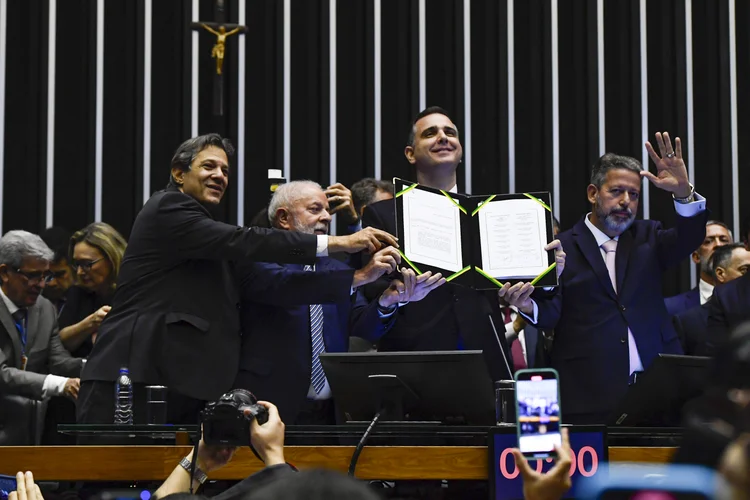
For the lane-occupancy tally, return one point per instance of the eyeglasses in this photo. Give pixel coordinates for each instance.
(36, 277)
(86, 265)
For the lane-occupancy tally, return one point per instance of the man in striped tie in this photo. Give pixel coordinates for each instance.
(291, 314)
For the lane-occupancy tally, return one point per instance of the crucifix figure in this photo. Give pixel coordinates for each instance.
(221, 30)
(221, 37)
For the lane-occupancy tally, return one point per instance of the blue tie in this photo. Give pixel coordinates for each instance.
(19, 317)
(318, 346)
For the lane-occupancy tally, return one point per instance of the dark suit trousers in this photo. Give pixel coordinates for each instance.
(96, 405)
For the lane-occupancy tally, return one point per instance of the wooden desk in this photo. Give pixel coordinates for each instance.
(130, 463)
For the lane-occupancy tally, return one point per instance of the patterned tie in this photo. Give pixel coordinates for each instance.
(610, 247)
(516, 350)
(318, 376)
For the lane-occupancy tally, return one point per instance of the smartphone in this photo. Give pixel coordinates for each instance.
(538, 415)
(7, 485)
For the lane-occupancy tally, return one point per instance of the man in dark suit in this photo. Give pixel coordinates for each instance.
(730, 305)
(608, 312)
(717, 234)
(34, 365)
(290, 314)
(728, 263)
(452, 317)
(174, 318)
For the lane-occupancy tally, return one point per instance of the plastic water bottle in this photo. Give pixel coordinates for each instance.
(124, 398)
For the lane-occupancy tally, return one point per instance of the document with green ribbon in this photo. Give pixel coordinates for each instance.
(477, 241)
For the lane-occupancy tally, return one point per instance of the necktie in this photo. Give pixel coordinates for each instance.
(610, 247)
(318, 376)
(19, 317)
(516, 350)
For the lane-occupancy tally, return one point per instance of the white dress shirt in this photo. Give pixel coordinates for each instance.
(54, 385)
(705, 290)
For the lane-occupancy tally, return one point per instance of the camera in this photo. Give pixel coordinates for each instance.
(225, 422)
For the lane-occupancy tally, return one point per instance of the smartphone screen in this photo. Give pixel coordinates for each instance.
(7, 485)
(538, 412)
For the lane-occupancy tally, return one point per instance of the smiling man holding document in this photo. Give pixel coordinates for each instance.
(451, 317)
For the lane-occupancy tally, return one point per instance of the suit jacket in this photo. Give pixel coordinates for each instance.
(20, 390)
(692, 328)
(275, 364)
(728, 308)
(590, 349)
(447, 314)
(174, 318)
(683, 302)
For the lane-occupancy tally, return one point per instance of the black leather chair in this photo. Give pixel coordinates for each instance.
(21, 420)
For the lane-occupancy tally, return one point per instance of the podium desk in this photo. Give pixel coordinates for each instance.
(462, 455)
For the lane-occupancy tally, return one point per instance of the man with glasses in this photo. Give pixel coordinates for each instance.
(33, 363)
(57, 239)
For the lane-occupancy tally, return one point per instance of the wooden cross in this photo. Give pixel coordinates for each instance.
(221, 30)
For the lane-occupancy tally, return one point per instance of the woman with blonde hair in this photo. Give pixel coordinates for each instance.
(95, 254)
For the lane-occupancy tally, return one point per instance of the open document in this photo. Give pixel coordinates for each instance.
(432, 230)
(476, 241)
(512, 235)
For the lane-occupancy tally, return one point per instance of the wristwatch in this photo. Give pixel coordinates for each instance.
(688, 199)
(200, 476)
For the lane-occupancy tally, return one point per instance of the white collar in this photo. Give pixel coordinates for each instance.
(705, 291)
(599, 235)
(454, 189)
(12, 307)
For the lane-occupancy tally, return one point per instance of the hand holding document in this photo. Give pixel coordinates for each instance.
(501, 238)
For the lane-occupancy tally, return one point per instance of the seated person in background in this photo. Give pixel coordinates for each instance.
(728, 263)
(729, 306)
(96, 252)
(717, 234)
(63, 275)
(33, 363)
(608, 312)
(368, 191)
(291, 313)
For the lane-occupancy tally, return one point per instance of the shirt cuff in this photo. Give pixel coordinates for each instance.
(692, 208)
(387, 314)
(532, 319)
(54, 385)
(356, 227)
(322, 250)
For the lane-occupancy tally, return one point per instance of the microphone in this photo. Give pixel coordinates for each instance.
(500, 345)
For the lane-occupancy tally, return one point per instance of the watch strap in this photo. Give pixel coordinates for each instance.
(199, 475)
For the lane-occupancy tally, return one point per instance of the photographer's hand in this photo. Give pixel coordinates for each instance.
(553, 484)
(211, 458)
(268, 439)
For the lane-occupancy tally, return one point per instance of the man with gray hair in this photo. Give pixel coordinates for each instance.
(33, 363)
(292, 313)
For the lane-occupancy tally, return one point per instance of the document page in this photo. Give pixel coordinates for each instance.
(512, 234)
(432, 230)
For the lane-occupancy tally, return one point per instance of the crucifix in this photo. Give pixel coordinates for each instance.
(221, 30)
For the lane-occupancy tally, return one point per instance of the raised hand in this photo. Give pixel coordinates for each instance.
(340, 198)
(553, 484)
(671, 172)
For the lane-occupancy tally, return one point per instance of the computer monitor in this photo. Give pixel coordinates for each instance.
(451, 387)
(659, 393)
